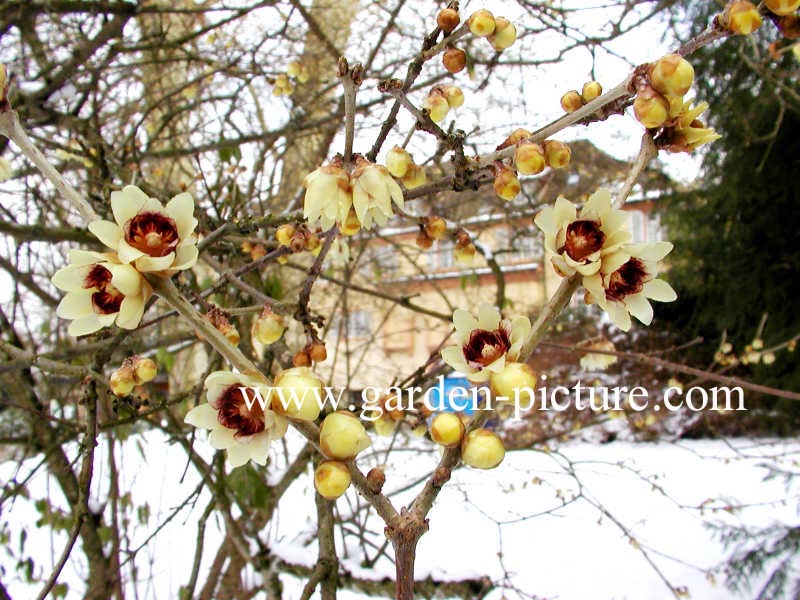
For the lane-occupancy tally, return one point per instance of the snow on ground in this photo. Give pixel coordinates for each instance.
(573, 523)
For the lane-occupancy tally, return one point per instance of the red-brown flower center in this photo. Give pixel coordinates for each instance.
(583, 238)
(153, 233)
(484, 347)
(107, 299)
(628, 279)
(234, 413)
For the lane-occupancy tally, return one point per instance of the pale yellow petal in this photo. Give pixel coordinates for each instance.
(75, 305)
(126, 203)
(639, 307)
(107, 232)
(488, 317)
(202, 416)
(659, 290)
(181, 209)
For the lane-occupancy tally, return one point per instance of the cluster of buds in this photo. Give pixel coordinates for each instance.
(268, 327)
(133, 371)
(754, 353)
(531, 158)
(431, 229)
(499, 31)
(353, 200)
(660, 105)
(220, 321)
(313, 352)
(284, 83)
(441, 99)
(297, 239)
(401, 164)
(464, 251)
(573, 100)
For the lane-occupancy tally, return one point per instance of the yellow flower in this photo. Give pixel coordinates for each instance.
(328, 197)
(374, 190)
(483, 345)
(148, 235)
(627, 279)
(100, 291)
(244, 432)
(575, 241)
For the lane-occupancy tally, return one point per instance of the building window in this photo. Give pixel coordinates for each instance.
(441, 257)
(359, 324)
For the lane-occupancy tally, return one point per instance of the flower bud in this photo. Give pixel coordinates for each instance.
(504, 36)
(268, 327)
(122, 381)
(257, 252)
(435, 227)
(301, 358)
(741, 17)
(144, 369)
(529, 158)
(571, 101)
(447, 429)
(398, 161)
(651, 108)
(218, 319)
(437, 107)
(351, 225)
(782, 7)
(464, 255)
(482, 449)
(454, 96)
(296, 393)
(331, 479)
(415, 177)
(508, 384)
(423, 240)
(672, 74)
(375, 479)
(557, 154)
(448, 19)
(506, 184)
(246, 247)
(342, 436)
(384, 426)
(317, 352)
(454, 60)
(481, 23)
(591, 90)
(293, 68)
(284, 234)
(516, 136)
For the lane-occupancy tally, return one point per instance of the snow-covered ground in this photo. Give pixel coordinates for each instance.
(609, 521)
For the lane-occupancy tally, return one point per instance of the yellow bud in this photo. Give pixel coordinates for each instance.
(741, 17)
(768, 358)
(591, 90)
(757, 344)
(514, 376)
(331, 479)
(782, 7)
(504, 36)
(297, 393)
(571, 101)
(144, 369)
(437, 107)
(415, 177)
(435, 227)
(454, 96)
(672, 74)
(557, 154)
(506, 184)
(651, 108)
(294, 68)
(482, 449)
(384, 426)
(447, 429)
(122, 381)
(317, 352)
(342, 436)
(351, 225)
(284, 234)
(268, 327)
(454, 60)
(258, 251)
(529, 158)
(481, 23)
(516, 136)
(464, 255)
(398, 161)
(447, 19)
